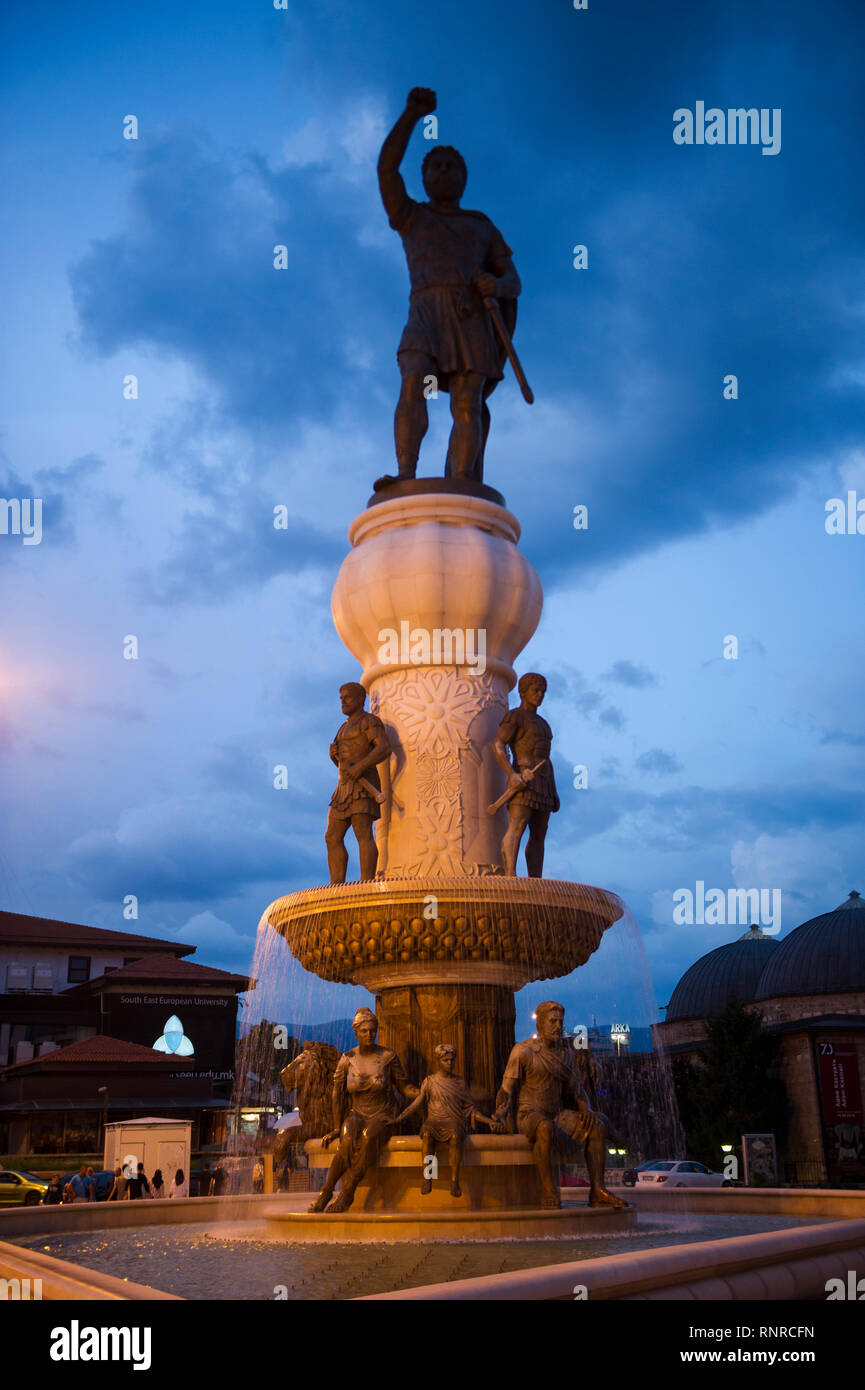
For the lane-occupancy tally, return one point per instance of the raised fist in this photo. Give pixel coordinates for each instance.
(421, 101)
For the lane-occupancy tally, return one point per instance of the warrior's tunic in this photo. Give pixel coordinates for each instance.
(447, 320)
(548, 1078)
(448, 1106)
(530, 739)
(354, 741)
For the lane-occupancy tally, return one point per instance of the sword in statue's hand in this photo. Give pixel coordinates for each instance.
(512, 791)
(494, 312)
(368, 787)
(492, 309)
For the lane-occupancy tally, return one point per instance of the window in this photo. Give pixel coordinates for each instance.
(79, 970)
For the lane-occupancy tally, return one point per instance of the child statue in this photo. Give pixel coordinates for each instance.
(448, 1109)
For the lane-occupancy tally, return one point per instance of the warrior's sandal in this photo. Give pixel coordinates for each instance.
(606, 1199)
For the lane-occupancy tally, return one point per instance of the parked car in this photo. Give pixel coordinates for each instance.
(104, 1183)
(681, 1173)
(630, 1175)
(20, 1189)
(572, 1180)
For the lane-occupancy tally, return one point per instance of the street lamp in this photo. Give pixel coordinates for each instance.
(103, 1092)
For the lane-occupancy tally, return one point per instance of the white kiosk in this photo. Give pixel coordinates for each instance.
(165, 1144)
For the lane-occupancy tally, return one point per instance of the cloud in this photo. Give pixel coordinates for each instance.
(186, 848)
(193, 276)
(212, 935)
(214, 556)
(626, 673)
(656, 760)
(840, 736)
(786, 861)
(568, 687)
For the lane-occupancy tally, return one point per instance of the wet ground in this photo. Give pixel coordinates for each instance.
(202, 1262)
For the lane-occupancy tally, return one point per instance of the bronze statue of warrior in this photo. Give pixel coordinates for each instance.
(457, 260)
(360, 744)
(531, 791)
(544, 1080)
(365, 1083)
(448, 1110)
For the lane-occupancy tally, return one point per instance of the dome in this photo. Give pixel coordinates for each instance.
(734, 969)
(826, 955)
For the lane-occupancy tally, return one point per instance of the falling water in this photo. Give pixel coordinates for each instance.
(536, 940)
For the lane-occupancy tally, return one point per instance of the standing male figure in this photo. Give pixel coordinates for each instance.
(455, 259)
(529, 737)
(365, 1085)
(543, 1078)
(361, 742)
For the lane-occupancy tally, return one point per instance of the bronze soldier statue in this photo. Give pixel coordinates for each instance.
(360, 744)
(456, 260)
(364, 1084)
(448, 1109)
(531, 781)
(543, 1077)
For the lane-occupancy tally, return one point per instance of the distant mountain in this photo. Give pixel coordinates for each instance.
(339, 1032)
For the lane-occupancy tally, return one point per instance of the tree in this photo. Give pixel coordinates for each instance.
(734, 1088)
(258, 1054)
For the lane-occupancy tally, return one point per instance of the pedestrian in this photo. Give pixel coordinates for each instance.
(54, 1196)
(220, 1181)
(138, 1186)
(68, 1194)
(118, 1187)
(158, 1184)
(178, 1186)
(91, 1180)
(205, 1182)
(258, 1176)
(81, 1186)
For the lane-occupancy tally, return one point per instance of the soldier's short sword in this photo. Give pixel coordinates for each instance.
(492, 309)
(512, 791)
(369, 789)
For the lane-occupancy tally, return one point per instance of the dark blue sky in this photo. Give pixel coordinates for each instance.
(256, 387)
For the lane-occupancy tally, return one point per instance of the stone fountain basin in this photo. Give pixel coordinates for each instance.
(486, 930)
(501, 1198)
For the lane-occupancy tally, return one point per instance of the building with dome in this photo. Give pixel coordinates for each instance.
(809, 989)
